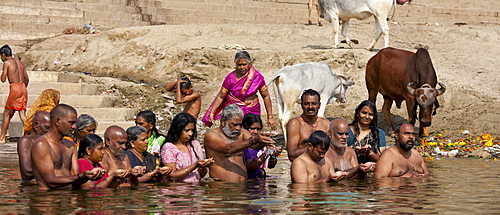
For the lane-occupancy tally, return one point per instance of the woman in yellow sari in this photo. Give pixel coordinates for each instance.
(45, 102)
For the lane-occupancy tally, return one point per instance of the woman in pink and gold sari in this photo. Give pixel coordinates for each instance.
(240, 87)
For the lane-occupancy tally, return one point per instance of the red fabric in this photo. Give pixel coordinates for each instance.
(84, 164)
(18, 97)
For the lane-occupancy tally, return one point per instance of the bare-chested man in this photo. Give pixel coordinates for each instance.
(115, 159)
(401, 160)
(55, 159)
(298, 129)
(184, 93)
(14, 70)
(226, 144)
(311, 167)
(342, 157)
(40, 126)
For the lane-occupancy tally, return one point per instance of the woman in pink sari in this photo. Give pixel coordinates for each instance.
(240, 87)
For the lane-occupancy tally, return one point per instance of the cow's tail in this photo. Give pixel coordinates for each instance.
(393, 10)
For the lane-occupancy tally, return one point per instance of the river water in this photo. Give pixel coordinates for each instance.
(458, 186)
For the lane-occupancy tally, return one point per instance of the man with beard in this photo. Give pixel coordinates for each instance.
(227, 143)
(342, 157)
(115, 159)
(401, 160)
(40, 126)
(311, 167)
(55, 159)
(298, 129)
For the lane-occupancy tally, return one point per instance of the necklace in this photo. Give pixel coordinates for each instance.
(313, 125)
(137, 155)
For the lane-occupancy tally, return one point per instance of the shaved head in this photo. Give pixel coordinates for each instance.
(115, 138)
(61, 110)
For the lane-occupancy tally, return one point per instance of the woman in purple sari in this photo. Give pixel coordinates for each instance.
(240, 87)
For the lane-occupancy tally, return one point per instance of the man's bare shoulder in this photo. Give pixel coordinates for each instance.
(293, 123)
(390, 153)
(212, 134)
(68, 143)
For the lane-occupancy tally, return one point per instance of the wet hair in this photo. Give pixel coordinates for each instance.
(82, 122)
(90, 141)
(60, 111)
(150, 118)
(374, 141)
(231, 111)
(6, 50)
(310, 92)
(185, 85)
(180, 122)
(242, 55)
(319, 139)
(133, 133)
(250, 119)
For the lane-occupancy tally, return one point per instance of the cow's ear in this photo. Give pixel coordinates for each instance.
(348, 83)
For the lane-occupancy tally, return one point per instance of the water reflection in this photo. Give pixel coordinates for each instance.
(457, 186)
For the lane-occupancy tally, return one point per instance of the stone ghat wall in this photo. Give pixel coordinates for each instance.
(31, 19)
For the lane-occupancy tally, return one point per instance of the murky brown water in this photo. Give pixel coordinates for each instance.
(458, 186)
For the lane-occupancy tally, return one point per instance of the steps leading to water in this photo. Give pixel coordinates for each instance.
(29, 19)
(86, 98)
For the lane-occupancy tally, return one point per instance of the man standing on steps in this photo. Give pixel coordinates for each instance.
(18, 95)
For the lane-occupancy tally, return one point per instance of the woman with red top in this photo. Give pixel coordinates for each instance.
(90, 153)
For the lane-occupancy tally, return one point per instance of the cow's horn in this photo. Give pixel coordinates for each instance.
(442, 89)
(411, 90)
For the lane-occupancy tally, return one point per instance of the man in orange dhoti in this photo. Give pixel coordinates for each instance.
(14, 70)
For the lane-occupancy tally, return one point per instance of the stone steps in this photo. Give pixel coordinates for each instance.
(86, 98)
(30, 19)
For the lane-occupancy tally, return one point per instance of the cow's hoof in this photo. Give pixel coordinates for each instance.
(320, 24)
(310, 23)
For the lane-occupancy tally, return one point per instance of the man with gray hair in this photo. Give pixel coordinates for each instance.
(227, 143)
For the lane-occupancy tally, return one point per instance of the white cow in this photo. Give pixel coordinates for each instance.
(344, 10)
(289, 83)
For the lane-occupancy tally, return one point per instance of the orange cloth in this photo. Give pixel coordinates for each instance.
(18, 97)
(45, 102)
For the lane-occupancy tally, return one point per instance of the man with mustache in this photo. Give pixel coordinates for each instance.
(55, 159)
(115, 159)
(340, 156)
(227, 143)
(401, 160)
(300, 128)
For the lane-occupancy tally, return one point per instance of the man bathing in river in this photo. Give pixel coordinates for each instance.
(342, 157)
(14, 70)
(115, 159)
(55, 159)
(298, 129)
(311, 167)
(40, 126)
(226, 144)
(401, 160)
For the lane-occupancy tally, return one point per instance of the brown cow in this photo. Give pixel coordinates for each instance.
(394, 73)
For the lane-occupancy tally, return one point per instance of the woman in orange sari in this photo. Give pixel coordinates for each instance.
(240, 87)
(45, 102)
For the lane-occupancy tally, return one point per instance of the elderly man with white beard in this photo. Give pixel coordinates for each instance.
(227, 143)
(340, 156)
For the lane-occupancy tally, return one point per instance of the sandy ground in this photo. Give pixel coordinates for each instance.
(465, 58)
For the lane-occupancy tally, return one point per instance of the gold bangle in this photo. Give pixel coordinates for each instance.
(270, 117)
(152, 174)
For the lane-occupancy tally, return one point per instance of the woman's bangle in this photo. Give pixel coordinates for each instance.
(152, 174)
(270, 116)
